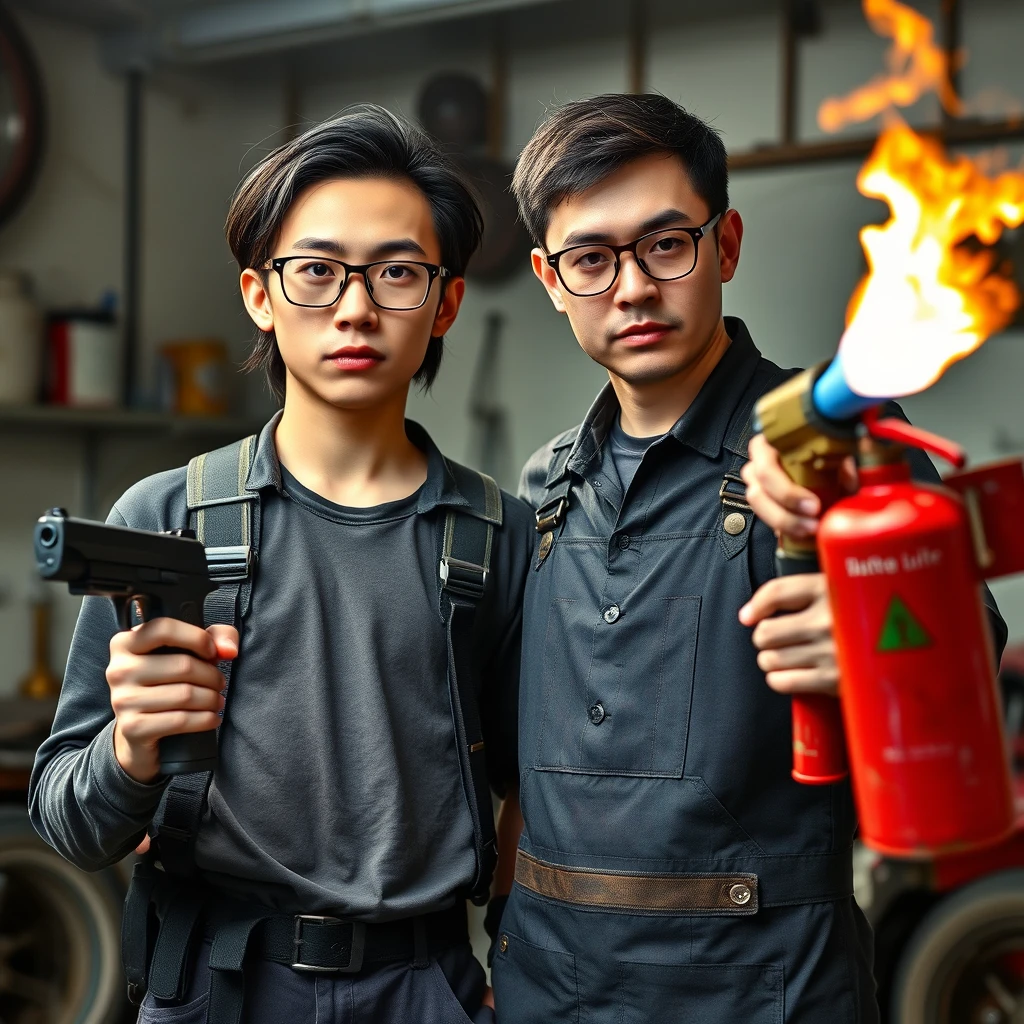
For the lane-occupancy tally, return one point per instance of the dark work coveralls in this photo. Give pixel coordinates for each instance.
(650, 745)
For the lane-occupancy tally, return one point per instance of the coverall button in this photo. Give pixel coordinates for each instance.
(740, 894)
(624, 541)
(611, 614)
(597, 714)
(503, 944)
(735, 523)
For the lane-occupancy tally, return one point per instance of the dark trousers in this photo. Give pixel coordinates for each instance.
(448, 991)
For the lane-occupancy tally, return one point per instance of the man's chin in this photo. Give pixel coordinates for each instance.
(646, 368)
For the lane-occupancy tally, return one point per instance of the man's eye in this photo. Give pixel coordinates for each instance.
(396, 272)
(318, 270)
(591, 260)
(665, 245)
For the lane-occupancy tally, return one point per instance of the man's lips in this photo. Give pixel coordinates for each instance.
(356, 357)
(648, 333)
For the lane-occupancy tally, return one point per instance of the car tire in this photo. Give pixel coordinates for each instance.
(964, 963)
(60, 956)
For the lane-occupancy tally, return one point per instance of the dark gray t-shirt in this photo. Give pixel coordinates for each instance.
(625, 452)
(338, 789)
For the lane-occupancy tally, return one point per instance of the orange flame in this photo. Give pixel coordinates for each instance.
(917, 65)
(928, 298)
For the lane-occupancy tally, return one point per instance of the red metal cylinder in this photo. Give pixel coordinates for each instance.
(920, 704)
(819, 753)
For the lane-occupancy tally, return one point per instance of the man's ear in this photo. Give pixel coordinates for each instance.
(730, 238)
(448, 309)
(257, 299)
(545, 273)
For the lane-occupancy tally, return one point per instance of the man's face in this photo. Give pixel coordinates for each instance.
(641, 329)
(352, 354)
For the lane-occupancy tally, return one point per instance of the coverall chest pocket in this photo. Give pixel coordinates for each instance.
(617, 692)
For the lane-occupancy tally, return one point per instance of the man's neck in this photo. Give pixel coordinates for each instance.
(353, 457)
(651, 408)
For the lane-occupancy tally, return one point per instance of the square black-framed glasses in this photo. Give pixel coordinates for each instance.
(433, 270)
(554, 260)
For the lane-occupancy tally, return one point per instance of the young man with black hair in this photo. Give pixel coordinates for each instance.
(346, 822)
(670, 869)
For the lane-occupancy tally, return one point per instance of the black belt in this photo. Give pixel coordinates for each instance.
(313, 942)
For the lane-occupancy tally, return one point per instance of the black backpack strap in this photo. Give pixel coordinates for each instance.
(226, 519)
(464, 567)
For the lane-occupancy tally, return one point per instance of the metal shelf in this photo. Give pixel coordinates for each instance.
(112, 421)
(90, 425)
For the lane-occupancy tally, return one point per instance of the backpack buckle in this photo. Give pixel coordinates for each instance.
(229, 564)
(466, 578)
(733, 498)
(551, 513)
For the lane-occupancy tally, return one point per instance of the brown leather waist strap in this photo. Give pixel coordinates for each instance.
(697, 893)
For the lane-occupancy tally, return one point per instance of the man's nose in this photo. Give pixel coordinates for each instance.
(355, 308)
(633, 287)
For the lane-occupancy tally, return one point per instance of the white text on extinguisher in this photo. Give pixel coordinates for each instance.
(890, 565)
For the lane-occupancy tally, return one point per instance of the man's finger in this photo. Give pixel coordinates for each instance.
(767, 468)
(804, 627)
(803, 680)
(813, 654)
(168, 697)
(160, 669)
(225, 638)
(784, 593)
(143, 728)
(164, 632)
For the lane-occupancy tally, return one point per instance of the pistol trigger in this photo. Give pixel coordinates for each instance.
(123, 609)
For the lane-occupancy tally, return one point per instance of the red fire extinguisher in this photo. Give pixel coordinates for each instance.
(921, 710)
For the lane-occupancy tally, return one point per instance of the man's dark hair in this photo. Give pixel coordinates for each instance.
(584, 142)
(364, 142)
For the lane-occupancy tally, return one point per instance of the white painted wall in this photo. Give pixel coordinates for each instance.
(801, 257)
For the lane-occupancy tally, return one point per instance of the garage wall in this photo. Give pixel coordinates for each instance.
(204, 128)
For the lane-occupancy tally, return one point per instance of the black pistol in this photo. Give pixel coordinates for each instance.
(148, 575)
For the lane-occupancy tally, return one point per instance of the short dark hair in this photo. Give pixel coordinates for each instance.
(363, 142)
(582, 143)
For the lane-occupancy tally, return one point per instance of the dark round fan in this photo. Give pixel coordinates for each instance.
(21, 117)
(454, 108)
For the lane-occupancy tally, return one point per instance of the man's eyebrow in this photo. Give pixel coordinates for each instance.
(392, 247)
(335, 248)
(396, 247)
(665, 219)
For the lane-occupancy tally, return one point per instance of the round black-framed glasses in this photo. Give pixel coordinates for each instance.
(316, 282)
(667, 254)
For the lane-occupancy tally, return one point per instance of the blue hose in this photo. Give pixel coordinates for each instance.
(833, 398)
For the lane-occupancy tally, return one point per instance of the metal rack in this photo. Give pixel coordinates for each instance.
(89, 426)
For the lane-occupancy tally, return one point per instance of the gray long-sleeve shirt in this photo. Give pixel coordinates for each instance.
(338, 789)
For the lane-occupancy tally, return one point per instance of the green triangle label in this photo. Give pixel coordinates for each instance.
(901, 631)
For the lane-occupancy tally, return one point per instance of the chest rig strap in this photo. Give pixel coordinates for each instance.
(226, 519)
(735, 518)
(463, 571)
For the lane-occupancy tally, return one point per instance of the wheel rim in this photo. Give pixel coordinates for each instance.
(985, 982)
(57, 941)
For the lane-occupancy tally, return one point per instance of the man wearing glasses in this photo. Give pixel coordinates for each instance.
(670, 869)
(349, 816)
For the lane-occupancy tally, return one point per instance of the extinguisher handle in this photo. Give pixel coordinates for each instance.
(790, 563)
(819, 746)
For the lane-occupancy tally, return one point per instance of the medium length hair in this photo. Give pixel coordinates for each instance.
(364, 142)
(582, 143)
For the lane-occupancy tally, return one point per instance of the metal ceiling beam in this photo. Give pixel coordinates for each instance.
(251, 27)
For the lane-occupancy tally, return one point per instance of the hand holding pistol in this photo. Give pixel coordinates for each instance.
(165, 687)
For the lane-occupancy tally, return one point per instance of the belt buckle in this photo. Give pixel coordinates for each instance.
(355, 957)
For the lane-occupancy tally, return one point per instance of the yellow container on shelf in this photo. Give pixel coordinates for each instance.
(198, 369)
